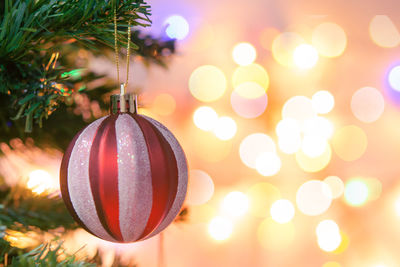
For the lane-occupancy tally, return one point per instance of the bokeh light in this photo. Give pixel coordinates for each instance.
(350, 142)
(205, 142)
(200, 188)
(220, 228)
(299, 108)
(289, 144)
(318, 126)
(328, 235)
(394, 78)
(313, 145)
(225, 129)
(356, 192)
(275, 236)
(336, 185)
(316, 164)
(164, 104)
(287, 127)
(313, 197)
(305, 56)
(282, 211)
(177, 27)
(40, 181)
(205, 118)
(323, 102)
(374, 188)
(250, 90)
(268, 164)
(235, 204)
(248, 107)
(207, 83)
(253, 145)
(261, 197)
(283, 47)
(244, 54)
(329, 39)
(251, 73)
(383, 32)
(367, 104)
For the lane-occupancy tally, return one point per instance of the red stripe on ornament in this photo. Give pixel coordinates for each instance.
(64, 182)
(103, 176)
(164, 172)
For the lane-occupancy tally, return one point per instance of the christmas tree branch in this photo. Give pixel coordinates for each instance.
(38, 41)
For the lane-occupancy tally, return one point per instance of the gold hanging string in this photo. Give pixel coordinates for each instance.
(128, 53)
(116, 43)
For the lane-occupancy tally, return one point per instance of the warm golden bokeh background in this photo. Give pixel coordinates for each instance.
(290, 123)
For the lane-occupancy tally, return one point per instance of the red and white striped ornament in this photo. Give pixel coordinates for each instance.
(124, 177)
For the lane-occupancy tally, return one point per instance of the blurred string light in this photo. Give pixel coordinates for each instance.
(261, 197)
(313, 197)
(367, 104)
(205, 118)
(329, 39)
(177, 27)
(283, 47)
(253, 145)
(323, 102)
(220, 228)
(305, 56)
(328, 235)
(356, 192)
(244, 54)
(40, 181)
(164, 104)
(336, 186)
(268, 164)
(314, 164)
(350, 142)
(225, 128)
(394, 78)
(207, 83)
(249, 107)
(289, 144)
(200, 189)
(275, 236)
(235, 204)
(383, 32)
(202, 213)
(282, 211)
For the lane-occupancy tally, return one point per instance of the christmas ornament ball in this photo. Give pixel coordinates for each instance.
(124, 177)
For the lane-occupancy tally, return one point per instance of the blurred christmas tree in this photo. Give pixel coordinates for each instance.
(47, 94)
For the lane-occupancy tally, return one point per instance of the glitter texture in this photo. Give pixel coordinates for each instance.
(134, 178)
(182, 176)
(78, 181)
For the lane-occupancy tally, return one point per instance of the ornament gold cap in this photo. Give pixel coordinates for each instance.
(129, 105)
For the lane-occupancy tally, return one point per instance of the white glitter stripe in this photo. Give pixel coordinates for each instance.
(134, 178)
(79, 188)
(182, 176)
